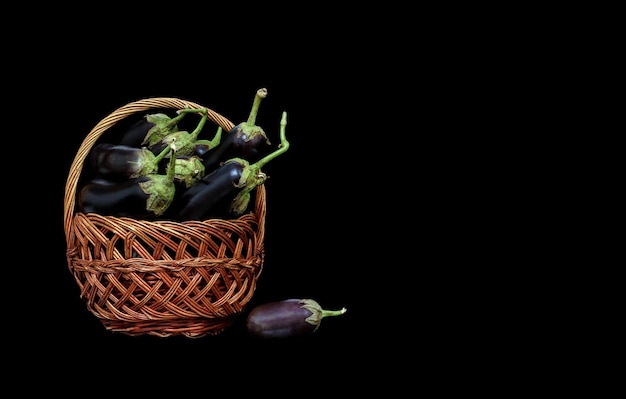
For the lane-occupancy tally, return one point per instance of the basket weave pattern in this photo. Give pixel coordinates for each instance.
(162, 277)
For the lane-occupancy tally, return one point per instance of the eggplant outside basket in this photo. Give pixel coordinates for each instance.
(162, 278)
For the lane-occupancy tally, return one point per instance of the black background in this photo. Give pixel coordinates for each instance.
(329, 235)
(396, 199)
(353, 219)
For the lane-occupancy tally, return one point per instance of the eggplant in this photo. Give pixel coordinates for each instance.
(245, 140)
(287, 319)
(188, 170)
(202, 147)
(225, 192)
(184, 142)
(122, 162)
(143, 197)
(152, 127)
(210, 196)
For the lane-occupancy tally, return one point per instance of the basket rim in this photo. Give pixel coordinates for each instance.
(107, 122)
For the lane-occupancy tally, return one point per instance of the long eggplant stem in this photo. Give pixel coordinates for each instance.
(216, 139)
(171, 166)
(260, 95)
(326, 313)
(198, 128)
(282, 147)
(162, 155)
(251, 176)
(181, 114)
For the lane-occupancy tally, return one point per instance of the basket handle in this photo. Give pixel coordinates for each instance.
(114, 117)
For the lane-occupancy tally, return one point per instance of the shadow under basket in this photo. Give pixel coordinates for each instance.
(159, 277)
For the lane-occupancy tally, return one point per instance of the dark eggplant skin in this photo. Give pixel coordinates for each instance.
(288, 318)
(210, 196)
(200, 150)
(245, 140)
(122, 162)
(143, 197)
(150, 126)
(115, 198)
(225, 192)
(237, 144)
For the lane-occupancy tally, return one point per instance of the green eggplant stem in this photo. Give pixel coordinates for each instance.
(151, 161)
(162, 155)
(317, 313)
(252, 176)
(212, 143)
(260, 95)
(181, 114)
(183, 142)
(282, 147)
(160, 189)
(198, 128)
(216, 139)
(203, 111)
(171, 166)
(326, 313)
(164, 125)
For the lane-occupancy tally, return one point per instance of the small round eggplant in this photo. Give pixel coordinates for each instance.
(287, 318)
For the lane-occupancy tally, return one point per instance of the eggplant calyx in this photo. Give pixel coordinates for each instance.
(149, 163)
(248, 182)
(252, 176)
(184, 142)
(249, 127)
(317, 313)
(189, 170)
(160, 189)
(163, 125)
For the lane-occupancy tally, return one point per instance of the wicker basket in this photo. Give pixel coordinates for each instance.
(192, 278)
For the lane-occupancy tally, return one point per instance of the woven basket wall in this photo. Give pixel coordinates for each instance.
(162, 278)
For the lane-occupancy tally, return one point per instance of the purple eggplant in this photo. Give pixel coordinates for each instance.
(287, 319)
(187, 143)
(122, 162)
(152, 127)
(210, 196)
(245, 140)
(225, 192)
(143, 197)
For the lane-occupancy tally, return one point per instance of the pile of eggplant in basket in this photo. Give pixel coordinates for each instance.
(158, 171)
